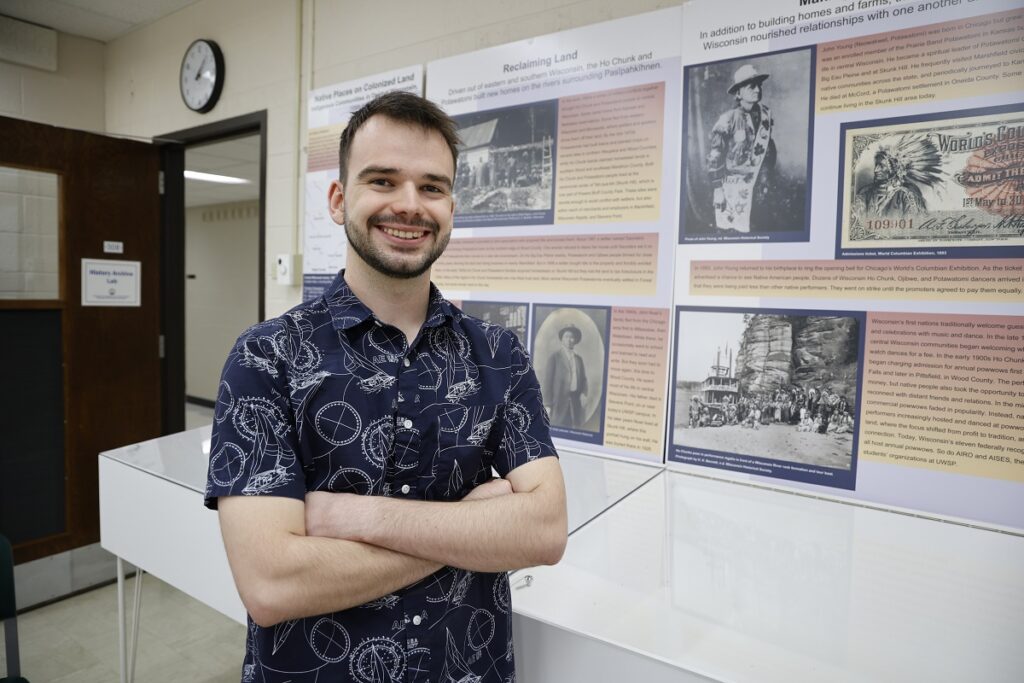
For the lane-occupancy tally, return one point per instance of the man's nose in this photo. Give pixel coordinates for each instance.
(406, 200)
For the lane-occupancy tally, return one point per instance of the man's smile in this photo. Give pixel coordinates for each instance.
(404, 234)
(403, 229)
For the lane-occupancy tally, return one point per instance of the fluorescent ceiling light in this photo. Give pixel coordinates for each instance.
(214, 178)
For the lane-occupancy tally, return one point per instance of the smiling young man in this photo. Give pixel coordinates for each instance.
(355, 437)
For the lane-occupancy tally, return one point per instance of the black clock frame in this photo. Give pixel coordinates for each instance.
(218, 83)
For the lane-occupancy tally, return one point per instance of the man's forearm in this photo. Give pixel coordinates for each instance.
(284, 575)
(329, 575)
(503, 533)
(497, 534)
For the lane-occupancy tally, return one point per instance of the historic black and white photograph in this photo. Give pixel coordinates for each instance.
(510, 316)
(506, 165)
(570, 350)
(748, 131)
(770, 385)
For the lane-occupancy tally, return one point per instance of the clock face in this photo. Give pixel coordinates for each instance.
(202, 75)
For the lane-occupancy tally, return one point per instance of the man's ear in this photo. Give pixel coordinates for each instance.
(336, 201)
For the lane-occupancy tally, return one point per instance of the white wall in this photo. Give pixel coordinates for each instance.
(260, 40)
(221, 250)
(71, 97)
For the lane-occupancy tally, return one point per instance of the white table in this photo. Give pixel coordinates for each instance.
(696, 579)
(152, 515)
(669, 577)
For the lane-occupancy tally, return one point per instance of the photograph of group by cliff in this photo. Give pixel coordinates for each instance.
(506, 166)
(748, 127)
(777, 386)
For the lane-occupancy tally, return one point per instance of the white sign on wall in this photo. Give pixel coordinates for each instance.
(111, 283)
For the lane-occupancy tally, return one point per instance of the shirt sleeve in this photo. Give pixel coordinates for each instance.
(526, 434)
(253, 447)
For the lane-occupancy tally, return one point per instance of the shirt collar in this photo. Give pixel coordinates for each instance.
(347, 311)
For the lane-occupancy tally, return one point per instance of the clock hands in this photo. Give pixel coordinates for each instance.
(201, 75)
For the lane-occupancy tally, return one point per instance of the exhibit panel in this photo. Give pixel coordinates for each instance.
(566, 206)
(862, 340)
(328, 110)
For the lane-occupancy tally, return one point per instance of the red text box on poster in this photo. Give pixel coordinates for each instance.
(945, 392)
(637, 373)
(613, 264)
(906, 280)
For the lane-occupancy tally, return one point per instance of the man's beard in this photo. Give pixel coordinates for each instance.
(377, 260)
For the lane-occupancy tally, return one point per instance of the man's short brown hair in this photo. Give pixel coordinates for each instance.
(402, 107)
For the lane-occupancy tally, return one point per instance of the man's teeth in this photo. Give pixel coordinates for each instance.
(403, 234)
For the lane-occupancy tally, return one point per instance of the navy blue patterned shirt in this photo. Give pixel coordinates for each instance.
(328, 398)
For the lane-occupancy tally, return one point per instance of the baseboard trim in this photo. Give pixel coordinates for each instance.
(195, 400)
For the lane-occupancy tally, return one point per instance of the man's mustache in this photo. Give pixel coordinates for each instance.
(412, 222)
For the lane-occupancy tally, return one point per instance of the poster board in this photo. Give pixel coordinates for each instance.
(848, 300)
(566, 208)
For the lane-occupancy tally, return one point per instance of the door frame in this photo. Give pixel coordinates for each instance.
(172, 285)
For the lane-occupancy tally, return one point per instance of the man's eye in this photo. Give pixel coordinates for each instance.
(383, 182)
(432, 188)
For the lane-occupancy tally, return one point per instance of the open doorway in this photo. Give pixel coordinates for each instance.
(222, 237)
(213, 247)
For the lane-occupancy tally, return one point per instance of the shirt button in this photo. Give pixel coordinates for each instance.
(406, 488)
(406, 362)
(407, 424)
(417, 620)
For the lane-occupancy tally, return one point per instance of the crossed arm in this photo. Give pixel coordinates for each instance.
(292, 559)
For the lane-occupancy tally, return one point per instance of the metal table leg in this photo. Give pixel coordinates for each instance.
(126, 650)
(121, 649)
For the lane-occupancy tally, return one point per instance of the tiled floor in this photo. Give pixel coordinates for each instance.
(180, 639)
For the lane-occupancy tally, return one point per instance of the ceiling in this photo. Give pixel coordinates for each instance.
(101, 20)
(238, 158)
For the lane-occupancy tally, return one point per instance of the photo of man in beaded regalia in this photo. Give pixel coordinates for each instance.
(747, 132)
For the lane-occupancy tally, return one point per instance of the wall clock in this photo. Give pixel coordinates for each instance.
(202, 75)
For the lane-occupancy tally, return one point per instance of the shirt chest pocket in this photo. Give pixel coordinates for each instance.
(461, 440)
(346, 436)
